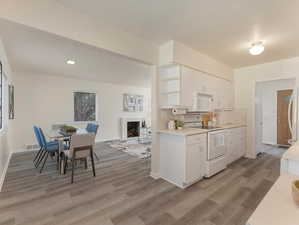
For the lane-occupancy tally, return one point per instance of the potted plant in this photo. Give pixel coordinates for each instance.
(69, 130)
(179, 124)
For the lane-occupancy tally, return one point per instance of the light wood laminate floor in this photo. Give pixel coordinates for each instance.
(123, 194)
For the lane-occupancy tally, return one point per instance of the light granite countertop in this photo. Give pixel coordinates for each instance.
(277, 207)
(194, 131)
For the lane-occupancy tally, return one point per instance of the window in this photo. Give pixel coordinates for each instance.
(84, 106)
(1, 100)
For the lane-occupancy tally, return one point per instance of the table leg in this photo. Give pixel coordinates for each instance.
(62, 164)
(60, 150)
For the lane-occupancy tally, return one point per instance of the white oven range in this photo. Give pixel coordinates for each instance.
(216, 154)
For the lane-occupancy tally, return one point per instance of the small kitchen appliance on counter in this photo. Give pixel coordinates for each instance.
(171, 125)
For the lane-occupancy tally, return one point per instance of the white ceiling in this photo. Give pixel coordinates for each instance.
(220, 29)
(31, 50)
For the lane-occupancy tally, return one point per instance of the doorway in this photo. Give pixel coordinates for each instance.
(272, 100)
(283, 128)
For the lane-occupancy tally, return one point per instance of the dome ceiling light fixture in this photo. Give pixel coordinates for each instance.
(70, 62)
(256, 48)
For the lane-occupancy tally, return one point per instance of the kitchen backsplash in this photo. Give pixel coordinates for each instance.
(235, 116)
(222, 117)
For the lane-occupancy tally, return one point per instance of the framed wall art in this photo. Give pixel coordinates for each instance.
(133, 103)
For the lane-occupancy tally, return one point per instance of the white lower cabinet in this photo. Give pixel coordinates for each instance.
(236, 144)
(182, 158)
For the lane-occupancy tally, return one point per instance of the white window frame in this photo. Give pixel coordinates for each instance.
(2, 93)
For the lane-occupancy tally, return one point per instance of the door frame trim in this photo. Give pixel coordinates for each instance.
(251, 140)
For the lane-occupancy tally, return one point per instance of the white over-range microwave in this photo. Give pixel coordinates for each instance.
(202, 102)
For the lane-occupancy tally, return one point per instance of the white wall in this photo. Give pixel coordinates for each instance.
(258, 118)
(5, 148)
(156, 122)
(245, 82)
(176, 52)
(47, 99)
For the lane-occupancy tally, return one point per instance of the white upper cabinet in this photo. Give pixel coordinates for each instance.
(195, 81)
(188, 85)
(180, 85)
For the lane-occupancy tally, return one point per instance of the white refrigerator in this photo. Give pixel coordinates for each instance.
(292, 116)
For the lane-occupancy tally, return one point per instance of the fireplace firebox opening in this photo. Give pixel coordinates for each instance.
(133, 129)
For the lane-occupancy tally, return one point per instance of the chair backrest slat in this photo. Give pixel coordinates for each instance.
(92, 128)
(43, 139)
(37, 135)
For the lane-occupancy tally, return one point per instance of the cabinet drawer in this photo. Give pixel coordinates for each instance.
(196, 139)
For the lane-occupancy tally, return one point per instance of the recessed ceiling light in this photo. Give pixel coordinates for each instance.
(70, 62)
(256, 48)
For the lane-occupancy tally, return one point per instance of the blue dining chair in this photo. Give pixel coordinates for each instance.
(39, 141)
(93, 129)
(44, 138)
(48, 148)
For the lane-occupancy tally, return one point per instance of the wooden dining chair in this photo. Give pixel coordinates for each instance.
(81, 147)
(93, 129)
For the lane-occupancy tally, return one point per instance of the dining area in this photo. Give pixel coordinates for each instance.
(69, 147)
(49, 197)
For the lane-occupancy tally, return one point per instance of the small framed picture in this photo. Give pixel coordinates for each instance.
(11, 102)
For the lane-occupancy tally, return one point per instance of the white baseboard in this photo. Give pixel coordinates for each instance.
(248, 156)
(4, 172)
(155, 175)
(104, 140)
(24, 150)
(269, 143)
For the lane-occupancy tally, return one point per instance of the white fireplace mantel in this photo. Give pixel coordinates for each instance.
(124, 122)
